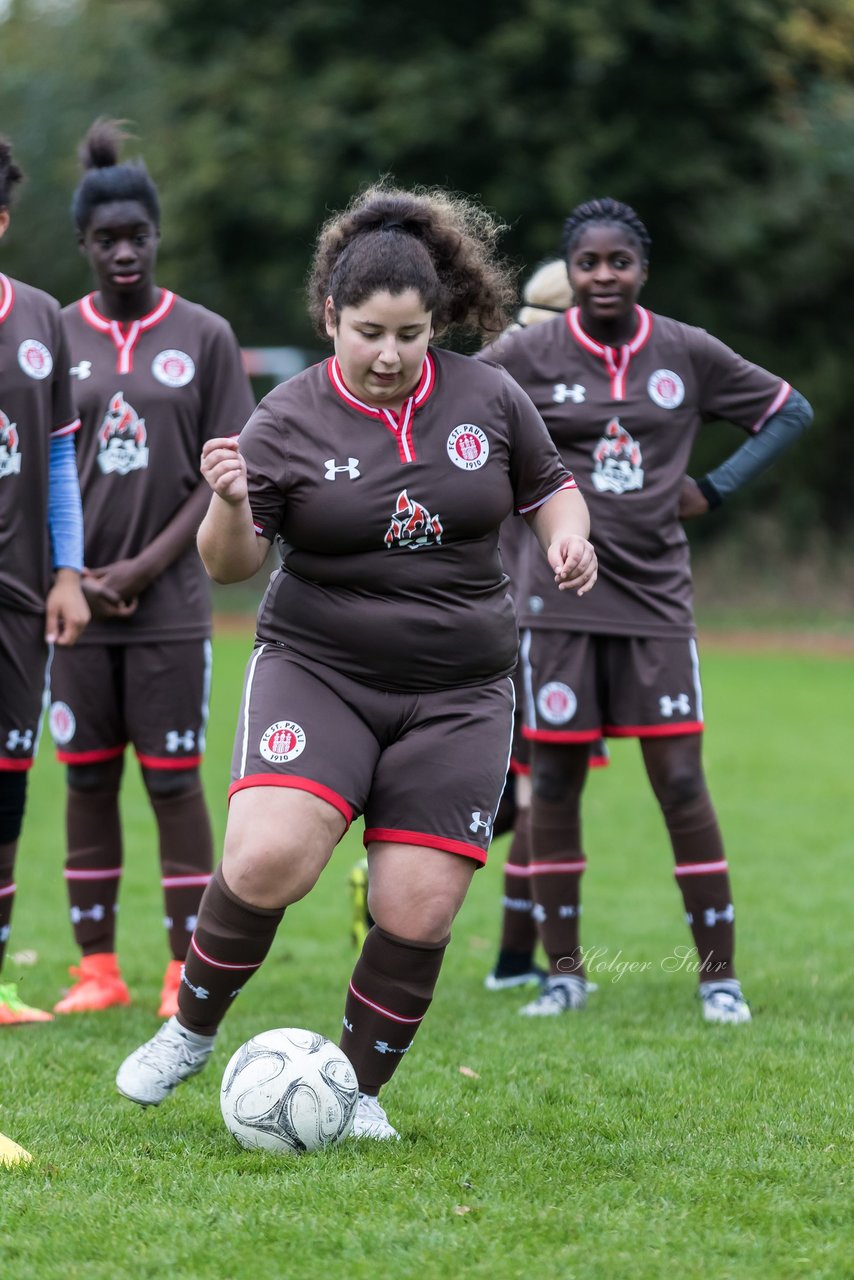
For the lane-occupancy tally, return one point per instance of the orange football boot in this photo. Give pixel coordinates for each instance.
(169, 990)
(99, 985)
(13, 1011)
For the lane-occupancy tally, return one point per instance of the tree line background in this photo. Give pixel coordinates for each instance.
(728, 126)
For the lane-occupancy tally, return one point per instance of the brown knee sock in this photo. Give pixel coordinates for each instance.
(518, 928)
(93, 867)
(702, 876)
(390, 992)
(7, 892)
(557, 865)
(186, 860)
(230, 942)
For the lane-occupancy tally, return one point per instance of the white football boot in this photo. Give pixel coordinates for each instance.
(371, 1121)
(154, 1069)
(723, 1001)
(561, 993)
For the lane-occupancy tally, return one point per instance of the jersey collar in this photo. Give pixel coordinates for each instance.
(398, 423)
(125, 336)
(616, 359)
(7, 296)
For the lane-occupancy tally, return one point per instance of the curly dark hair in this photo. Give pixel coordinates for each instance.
(105, 179)
(439, 244)
(606, 211)
(10, 173)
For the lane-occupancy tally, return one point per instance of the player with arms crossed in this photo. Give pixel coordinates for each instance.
(624, 393)
(379, 684)
(41, 547)
(156, 376)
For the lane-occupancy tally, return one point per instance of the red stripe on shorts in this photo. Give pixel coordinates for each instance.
(90, 757)
(653, 730)
(428, 842)
(16, 766)
(169, 762)
(297, 784)
(561, 735)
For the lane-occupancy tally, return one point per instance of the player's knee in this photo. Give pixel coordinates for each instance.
(13, 797)
(680, 788)
(105, 775)
(168, 784)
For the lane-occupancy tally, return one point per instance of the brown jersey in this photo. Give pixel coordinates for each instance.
(35, 404)
(150, 393)
(389, 522)
(624, 421)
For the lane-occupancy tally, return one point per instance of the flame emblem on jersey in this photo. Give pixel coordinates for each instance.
(468, 447)
(10, 458)
(121, 439)
(35, 359)
(412, 525)
(282, 741)
(617, 459)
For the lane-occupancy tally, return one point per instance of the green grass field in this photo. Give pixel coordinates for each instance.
(631, 1140)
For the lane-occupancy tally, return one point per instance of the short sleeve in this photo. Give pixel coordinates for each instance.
(732, 388)
(536, 470)
(64, 419)
(228, 399)
(263, 444)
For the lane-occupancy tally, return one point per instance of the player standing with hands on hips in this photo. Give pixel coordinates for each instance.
(624, 393)
(41, 547)
(156, 376)
(380, 681)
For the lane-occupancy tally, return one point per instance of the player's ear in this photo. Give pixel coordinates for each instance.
(4, 221)
(330, 319)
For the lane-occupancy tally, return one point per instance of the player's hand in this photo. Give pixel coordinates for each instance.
(66, 610)
(103, 598)
(691, 500)
(224, 468)
(574, 563)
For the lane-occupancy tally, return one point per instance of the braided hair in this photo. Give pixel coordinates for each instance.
(10, 174)
(604, 211)
(105, 180)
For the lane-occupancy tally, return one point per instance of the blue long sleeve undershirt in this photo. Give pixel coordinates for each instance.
(756, 454)
(64, 508)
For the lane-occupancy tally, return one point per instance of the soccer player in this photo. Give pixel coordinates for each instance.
(623, 393)
(155, 377)
(379, 684)
(546, 293)
(41, 547)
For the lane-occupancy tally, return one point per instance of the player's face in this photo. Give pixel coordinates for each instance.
(380, 345)
(121, 245)
(607, 273)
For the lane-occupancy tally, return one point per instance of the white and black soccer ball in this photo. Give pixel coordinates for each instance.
(289, 1091)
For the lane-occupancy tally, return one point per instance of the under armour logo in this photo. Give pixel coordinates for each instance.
(4, 933)
(190, 923)
(382, 1046)
(538, 913)
(94, 913)
(712, 917)
(201, 993)
(17, 739)
(667, 705)
(562, 393)
(348, 1026)
(81, 370)
(480, 822)
(351, 468)
(568, 912)
(183, 741)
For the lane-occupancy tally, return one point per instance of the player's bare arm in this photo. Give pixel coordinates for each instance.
(561, 526)
(66, 610)
(231, 550)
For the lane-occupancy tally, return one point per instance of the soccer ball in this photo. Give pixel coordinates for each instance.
(289, 1091)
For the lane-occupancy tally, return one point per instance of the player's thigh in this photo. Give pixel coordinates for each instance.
(87, 720)
(561, 681)
(24, 674)
(654, 687)
(438, 783)
(166, 699)
(303, 727)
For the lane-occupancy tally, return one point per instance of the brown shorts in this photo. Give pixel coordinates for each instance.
(153, 695)
(24, 684)
(423, 768)
(579, 687)
(520, 752)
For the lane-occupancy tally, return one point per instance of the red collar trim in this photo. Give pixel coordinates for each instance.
(7, 296)
(644, 329)
(93, 316)
(398, 423)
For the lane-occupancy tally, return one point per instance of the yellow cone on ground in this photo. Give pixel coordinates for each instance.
(11, 1153)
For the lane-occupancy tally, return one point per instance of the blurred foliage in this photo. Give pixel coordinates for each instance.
(729, 126)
